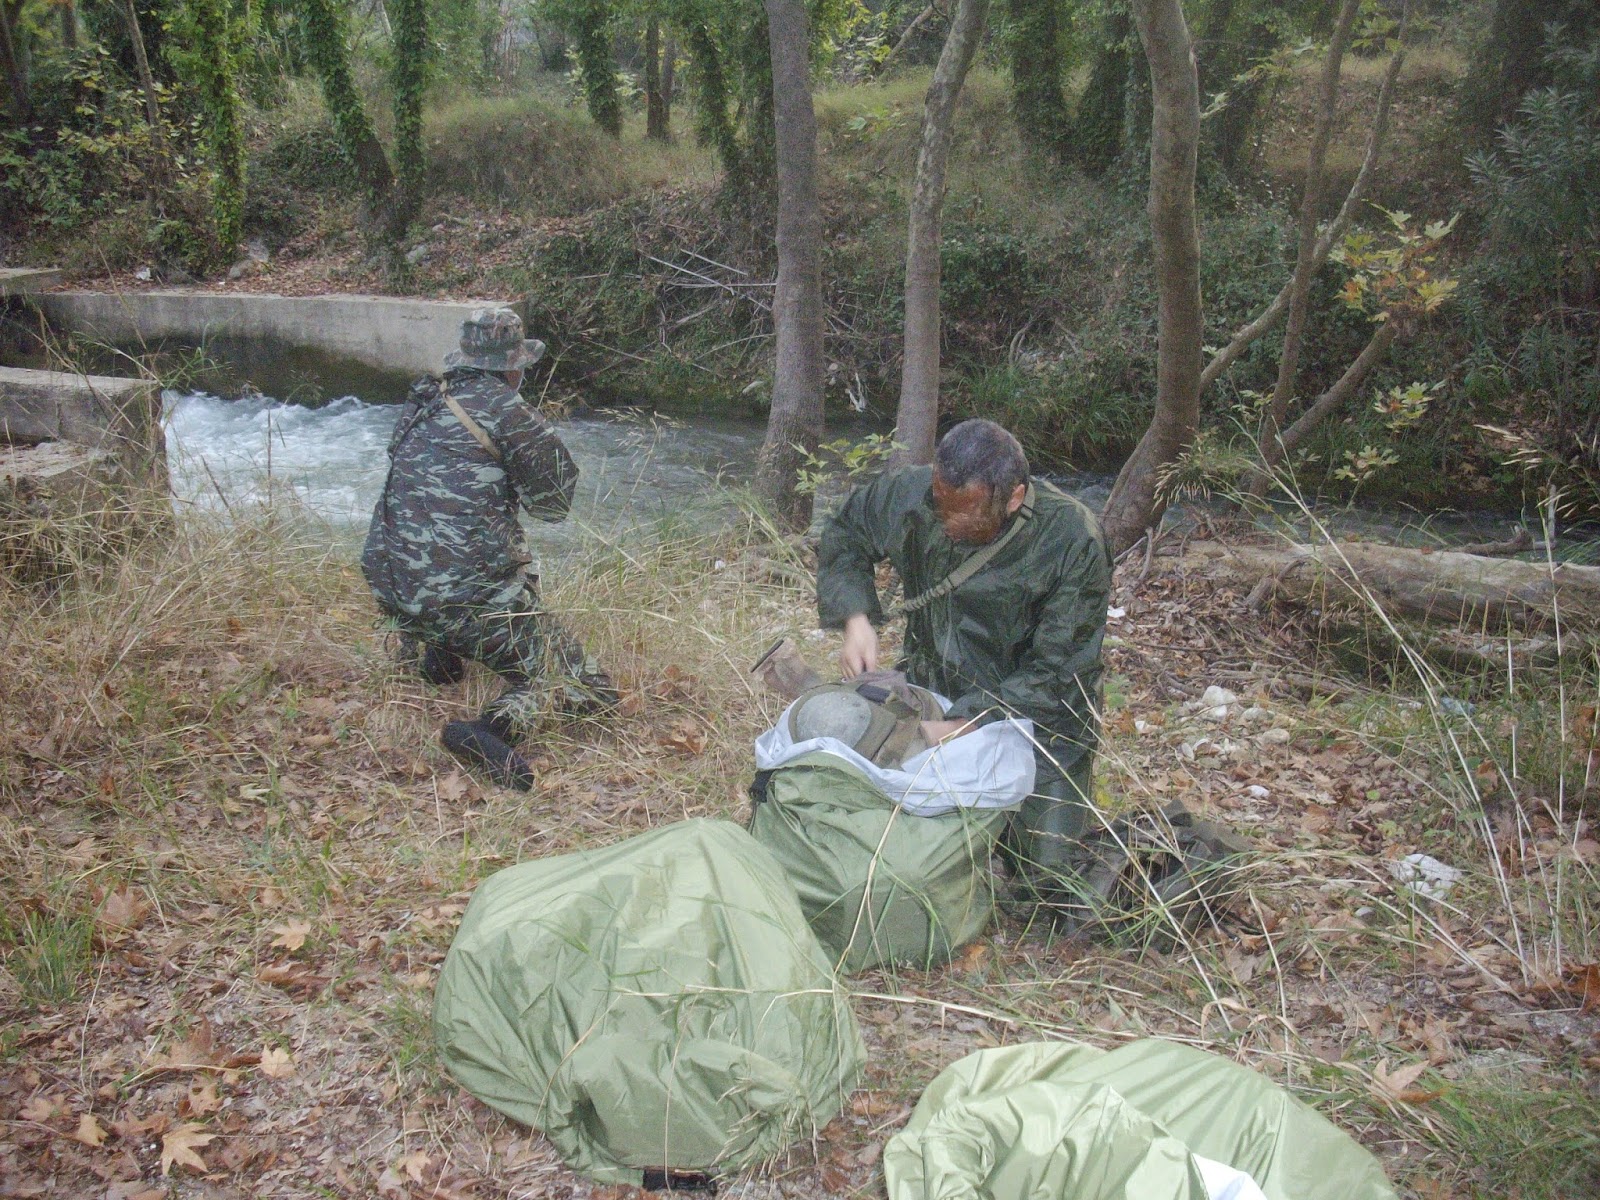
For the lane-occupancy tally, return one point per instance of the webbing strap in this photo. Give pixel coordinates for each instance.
(968, 567)
(471, 426)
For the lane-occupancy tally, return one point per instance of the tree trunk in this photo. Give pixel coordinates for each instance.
(410, 80)
(655, 102)
(219, 56)
(1096, 140)
(1036, 75)
(713, 126)
(16, 77)
(69, 24)
(328, 47)
(1269, 445)
(669, 80)
(1135, 502)
(147, 83)
(795, 426)
(598, 66)
(918, 417)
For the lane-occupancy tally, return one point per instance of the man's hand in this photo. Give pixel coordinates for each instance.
(860, 652)
(942, 731)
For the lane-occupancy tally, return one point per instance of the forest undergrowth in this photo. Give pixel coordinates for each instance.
(236, 856)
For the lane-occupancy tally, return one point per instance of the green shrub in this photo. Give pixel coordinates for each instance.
(518, 150)
(302, 154)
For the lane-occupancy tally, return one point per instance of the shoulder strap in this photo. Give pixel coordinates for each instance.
(970, 566)
(471, 426)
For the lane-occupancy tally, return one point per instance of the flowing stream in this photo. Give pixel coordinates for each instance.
(638, 472)
(642, 475)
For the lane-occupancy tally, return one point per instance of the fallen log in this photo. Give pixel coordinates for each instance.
(1491, 595)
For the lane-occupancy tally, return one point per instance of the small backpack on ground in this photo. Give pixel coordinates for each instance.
(877, 884)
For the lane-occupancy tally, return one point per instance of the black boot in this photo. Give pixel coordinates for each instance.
(483, 744)
(441, 667)
(435, 664)
(591, 694)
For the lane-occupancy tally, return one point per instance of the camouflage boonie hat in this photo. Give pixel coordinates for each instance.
(491, 339)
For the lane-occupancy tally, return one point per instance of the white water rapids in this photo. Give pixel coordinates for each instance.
(637, 471)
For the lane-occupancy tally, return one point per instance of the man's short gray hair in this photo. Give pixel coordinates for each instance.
(981, 451)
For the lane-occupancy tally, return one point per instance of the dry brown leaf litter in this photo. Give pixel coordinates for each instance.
(270, 913)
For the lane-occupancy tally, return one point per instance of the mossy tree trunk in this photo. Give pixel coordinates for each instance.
(11, 59)
(657, 104)
(1037, 74)
(795, 425)
(410, 18)
(328, 46)
(219, 55)
(591, 30)
(1096, 137)
(917, 418)
(714, 125)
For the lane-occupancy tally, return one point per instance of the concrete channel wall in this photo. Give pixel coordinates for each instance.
(121, 417)
(377, 331)
(83, 469)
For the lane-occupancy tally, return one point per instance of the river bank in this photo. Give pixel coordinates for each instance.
(237, 857)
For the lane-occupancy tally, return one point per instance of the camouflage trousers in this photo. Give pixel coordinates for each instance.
(517, 639)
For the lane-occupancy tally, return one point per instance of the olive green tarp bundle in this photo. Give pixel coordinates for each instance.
(1063, 1120)
(841, 841)
(658, 1003)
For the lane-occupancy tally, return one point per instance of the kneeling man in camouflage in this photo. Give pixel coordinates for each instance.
(447, 560)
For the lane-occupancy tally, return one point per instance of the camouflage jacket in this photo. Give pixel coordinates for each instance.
(1021, 637)
(445, 527)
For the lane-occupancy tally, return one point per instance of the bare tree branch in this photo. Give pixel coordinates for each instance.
(1304, 263)
(1354, 376)
(1269, 317)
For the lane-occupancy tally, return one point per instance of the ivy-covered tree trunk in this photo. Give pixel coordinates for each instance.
(657, 121)
(328, 46)
(219, 46)
(16, 76)
(713, 125)
(795, 425)
(1096, 140)
(756, 105)
(917, 419)
(410, 18)
(1037, 72)
(591, 29)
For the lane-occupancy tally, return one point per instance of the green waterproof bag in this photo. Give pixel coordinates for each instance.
(877, 884)
(656, 1005)
(1154, 1120)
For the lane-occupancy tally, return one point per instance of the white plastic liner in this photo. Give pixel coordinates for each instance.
(991, 767)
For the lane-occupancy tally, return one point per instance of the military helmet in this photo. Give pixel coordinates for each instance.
(491, 340)
(880, 723)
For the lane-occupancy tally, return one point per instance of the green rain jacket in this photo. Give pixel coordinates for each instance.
(1020, 638)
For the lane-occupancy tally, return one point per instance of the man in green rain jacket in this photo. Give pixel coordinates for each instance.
(1018, 637)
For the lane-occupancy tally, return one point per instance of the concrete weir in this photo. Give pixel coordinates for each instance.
(82, 466)
(376, 331)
